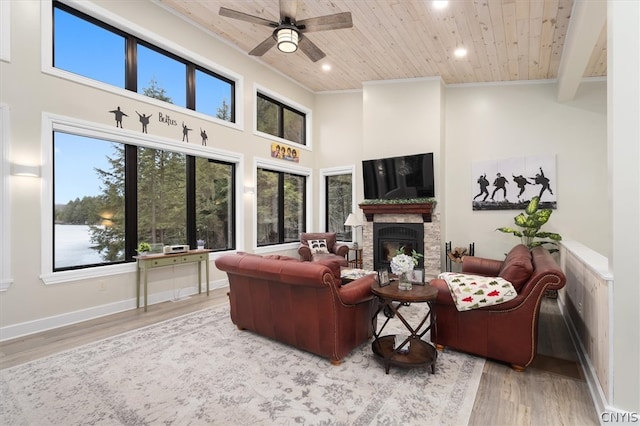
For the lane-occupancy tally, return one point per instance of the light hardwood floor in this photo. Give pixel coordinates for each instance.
(551, 392)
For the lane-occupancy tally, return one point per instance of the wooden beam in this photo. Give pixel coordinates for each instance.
(588, 19)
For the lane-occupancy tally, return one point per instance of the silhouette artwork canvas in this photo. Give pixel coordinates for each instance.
(509, 184)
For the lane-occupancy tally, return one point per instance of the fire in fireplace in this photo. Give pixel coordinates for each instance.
(388, 238)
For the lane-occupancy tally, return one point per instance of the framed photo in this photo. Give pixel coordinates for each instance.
(417, 276)
(383, 277)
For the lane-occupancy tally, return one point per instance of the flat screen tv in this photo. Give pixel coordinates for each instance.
(409, 176)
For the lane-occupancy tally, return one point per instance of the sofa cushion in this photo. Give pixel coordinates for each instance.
(517, 266)
(477, 291)
(318, 246)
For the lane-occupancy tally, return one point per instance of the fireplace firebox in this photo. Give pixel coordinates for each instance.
(388, 238)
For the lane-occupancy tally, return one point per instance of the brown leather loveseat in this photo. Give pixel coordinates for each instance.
(506, 332)
(302, 304)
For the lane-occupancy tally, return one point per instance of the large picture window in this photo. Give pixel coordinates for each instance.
(110, 196)
(281, 207)
(114, 57)
(278, 119)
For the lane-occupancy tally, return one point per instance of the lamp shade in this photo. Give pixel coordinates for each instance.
(287, 40)
(352, 220)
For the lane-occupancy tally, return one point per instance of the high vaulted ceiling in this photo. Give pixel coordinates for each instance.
(507, 40)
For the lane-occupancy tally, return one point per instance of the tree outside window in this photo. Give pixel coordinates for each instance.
(281, 200)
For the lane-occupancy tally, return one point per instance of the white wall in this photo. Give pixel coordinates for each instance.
(498, 122)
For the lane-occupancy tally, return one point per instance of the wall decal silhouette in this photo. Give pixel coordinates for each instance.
(118, 114)
(144, 120)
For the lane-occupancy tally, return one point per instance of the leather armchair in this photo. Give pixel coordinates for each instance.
(337, 251)
(508, 331)
(302, 304)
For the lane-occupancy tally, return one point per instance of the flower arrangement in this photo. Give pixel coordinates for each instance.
(402, 263)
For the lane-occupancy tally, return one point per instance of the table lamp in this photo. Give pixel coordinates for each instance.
(353, 222)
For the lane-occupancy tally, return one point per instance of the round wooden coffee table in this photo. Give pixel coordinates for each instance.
(412, 351)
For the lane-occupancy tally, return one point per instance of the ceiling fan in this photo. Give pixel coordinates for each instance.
(289, 34)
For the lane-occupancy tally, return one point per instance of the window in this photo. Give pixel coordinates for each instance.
(339, 203)
(81, 55)
(160, 76)
(109, 196)
(89, 205)
(281, 206)
(280, 120)
(215, 201)
(112, 56)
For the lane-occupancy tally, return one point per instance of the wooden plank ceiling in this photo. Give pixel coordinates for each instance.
(507, 40)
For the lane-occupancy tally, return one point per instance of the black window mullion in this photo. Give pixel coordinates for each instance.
(131, 65)
(191, 200)
(280, 207)
(191, 86)
(131, 200)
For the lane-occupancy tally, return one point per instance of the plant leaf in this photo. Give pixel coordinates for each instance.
(533, 205)
(508, 230)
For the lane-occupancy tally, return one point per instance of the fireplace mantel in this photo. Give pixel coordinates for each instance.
(425, 209)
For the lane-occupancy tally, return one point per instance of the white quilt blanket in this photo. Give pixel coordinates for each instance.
(475, 291)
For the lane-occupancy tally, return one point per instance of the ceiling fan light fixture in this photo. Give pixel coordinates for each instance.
(287, 40)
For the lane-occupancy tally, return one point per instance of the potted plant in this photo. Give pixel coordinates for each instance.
(530, 223)
(143, 248)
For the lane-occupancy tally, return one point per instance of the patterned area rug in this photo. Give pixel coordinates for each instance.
(200, 369)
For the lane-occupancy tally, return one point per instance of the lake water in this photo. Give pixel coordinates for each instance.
(73, 246)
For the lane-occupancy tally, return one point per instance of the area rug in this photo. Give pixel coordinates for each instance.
(200, 369)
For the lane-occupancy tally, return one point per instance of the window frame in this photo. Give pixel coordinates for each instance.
(263, 163)
(335, 171)
(108, 20)
(52, 123)
(290, 104)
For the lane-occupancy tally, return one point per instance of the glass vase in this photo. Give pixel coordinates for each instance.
(405, 282)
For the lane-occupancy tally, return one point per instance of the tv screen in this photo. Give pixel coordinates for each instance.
(409, 176)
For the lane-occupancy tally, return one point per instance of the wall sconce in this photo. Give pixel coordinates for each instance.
(24, 170)
(248, 190)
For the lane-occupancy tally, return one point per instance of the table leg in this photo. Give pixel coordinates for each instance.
(199, 277)
(137, 284)
(207, 272)
(144, 274)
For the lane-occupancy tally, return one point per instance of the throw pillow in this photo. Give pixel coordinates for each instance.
(476, 291)
(318, 246)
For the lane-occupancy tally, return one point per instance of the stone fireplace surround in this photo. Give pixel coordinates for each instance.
(432, 240)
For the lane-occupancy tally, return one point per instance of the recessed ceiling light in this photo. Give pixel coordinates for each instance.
(440, 4)
(326, 67)
(460, 52)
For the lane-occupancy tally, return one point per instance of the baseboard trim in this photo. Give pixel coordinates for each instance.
(49, 323)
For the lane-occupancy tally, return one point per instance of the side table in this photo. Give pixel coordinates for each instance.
(151, 261)
(356, 262)
(419, 352)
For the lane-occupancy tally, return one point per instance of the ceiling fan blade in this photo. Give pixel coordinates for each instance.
(311, 50)
(288, 9)
(263, 47)
(327, 22)
(229, 13)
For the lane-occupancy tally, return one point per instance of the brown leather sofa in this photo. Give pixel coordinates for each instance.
(505, 332)
(302, 304)
(336, 251)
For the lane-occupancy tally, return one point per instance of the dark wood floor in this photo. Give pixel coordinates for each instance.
(550, 392)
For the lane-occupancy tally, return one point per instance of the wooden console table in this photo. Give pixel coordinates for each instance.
(151, 261)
